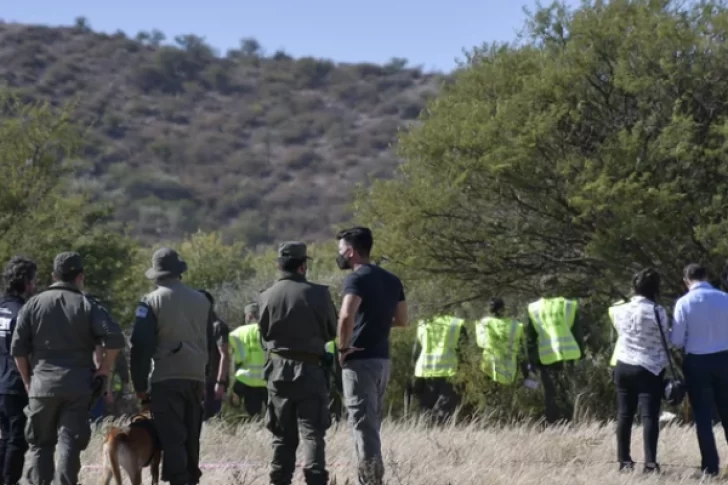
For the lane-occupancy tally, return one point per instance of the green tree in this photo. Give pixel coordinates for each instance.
(595, 146)
(39, 219)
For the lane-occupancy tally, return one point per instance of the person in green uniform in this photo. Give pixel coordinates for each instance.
(56, 334)
(297, 318)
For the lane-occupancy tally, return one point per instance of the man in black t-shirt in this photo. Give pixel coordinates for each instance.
(373, 302)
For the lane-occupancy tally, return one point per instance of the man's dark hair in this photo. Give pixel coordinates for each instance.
(695, 272)
(290, 265)
(359, 238)
(70, 276)
(208, 295)
(17, 273)
(496, 305)
(647, 283)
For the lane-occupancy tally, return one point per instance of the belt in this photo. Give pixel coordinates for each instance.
(294, 355)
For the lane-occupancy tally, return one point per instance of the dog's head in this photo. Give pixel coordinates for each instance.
(142, 416)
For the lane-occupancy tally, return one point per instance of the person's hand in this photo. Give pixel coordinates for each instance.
(219, 391)
(101, 372)
(142, 396)
(344, 353)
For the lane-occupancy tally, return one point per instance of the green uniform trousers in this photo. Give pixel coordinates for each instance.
(177, 409)
(297, 401)
(51, 420)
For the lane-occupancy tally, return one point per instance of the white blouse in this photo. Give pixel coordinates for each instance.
(639, 341)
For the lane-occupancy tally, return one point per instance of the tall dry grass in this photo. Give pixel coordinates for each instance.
(458, 455)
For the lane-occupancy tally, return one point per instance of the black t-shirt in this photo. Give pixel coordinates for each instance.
(10, 380)
(380, 292)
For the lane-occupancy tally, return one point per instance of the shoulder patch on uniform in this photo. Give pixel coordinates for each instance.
(142, 311)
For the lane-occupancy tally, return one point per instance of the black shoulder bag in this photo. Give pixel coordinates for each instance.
(674, 391)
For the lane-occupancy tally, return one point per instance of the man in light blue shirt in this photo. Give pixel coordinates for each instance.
(701, 329)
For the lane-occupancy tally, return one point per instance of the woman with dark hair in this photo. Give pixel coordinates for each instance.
(641, 363)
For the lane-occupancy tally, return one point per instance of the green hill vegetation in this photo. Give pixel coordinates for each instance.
(180, 137)
(594, 147)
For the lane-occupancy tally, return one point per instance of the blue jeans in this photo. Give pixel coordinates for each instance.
(706, 379)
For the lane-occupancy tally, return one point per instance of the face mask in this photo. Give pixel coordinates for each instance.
(342, 262)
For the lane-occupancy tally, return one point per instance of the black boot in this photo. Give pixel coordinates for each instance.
(626, 466)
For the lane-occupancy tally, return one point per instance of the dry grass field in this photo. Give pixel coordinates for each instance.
(457, 455)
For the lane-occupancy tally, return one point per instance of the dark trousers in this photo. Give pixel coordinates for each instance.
(706, 379)
(254, 398)
(12, 442)
(437, 396)
(335, 405)
(297, 402)
(177, 411)
(212, 404)
(556, 391)
(636, 385)
(61, 420)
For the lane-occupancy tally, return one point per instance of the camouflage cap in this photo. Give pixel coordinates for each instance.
(293, 250)
(67, 262)
(166, 263)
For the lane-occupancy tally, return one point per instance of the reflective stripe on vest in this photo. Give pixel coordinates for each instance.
(500, 340)
(439, 338)
(249, 355)
(553, 319)
(612, 317)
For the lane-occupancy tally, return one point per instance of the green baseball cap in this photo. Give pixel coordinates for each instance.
(67, 262)
(293, 250)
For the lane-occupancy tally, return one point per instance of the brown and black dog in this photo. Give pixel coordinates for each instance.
(132, 448)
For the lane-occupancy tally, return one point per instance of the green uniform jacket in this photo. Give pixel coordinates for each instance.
(59, 329)
(297, 315)
(173, 328)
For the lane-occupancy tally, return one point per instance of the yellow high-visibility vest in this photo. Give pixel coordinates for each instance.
(248, 354)
(613, 317)
(439, 339)
(553, 319)
(330, 347)
(500, 340)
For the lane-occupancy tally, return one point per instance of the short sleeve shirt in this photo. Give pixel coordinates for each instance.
(380, 292)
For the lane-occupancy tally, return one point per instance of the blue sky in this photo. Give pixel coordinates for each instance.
(429, 33)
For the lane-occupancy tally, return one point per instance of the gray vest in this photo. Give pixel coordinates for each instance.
(182, 315)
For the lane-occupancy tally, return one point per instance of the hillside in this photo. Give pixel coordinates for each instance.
(260, 147)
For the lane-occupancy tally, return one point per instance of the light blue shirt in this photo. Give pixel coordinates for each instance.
(701, 320)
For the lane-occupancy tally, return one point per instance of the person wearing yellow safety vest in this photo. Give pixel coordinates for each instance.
(249, 359)
(500, 338)
(438, 348)
(333, 370)
(554, 341)
(612, 312)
